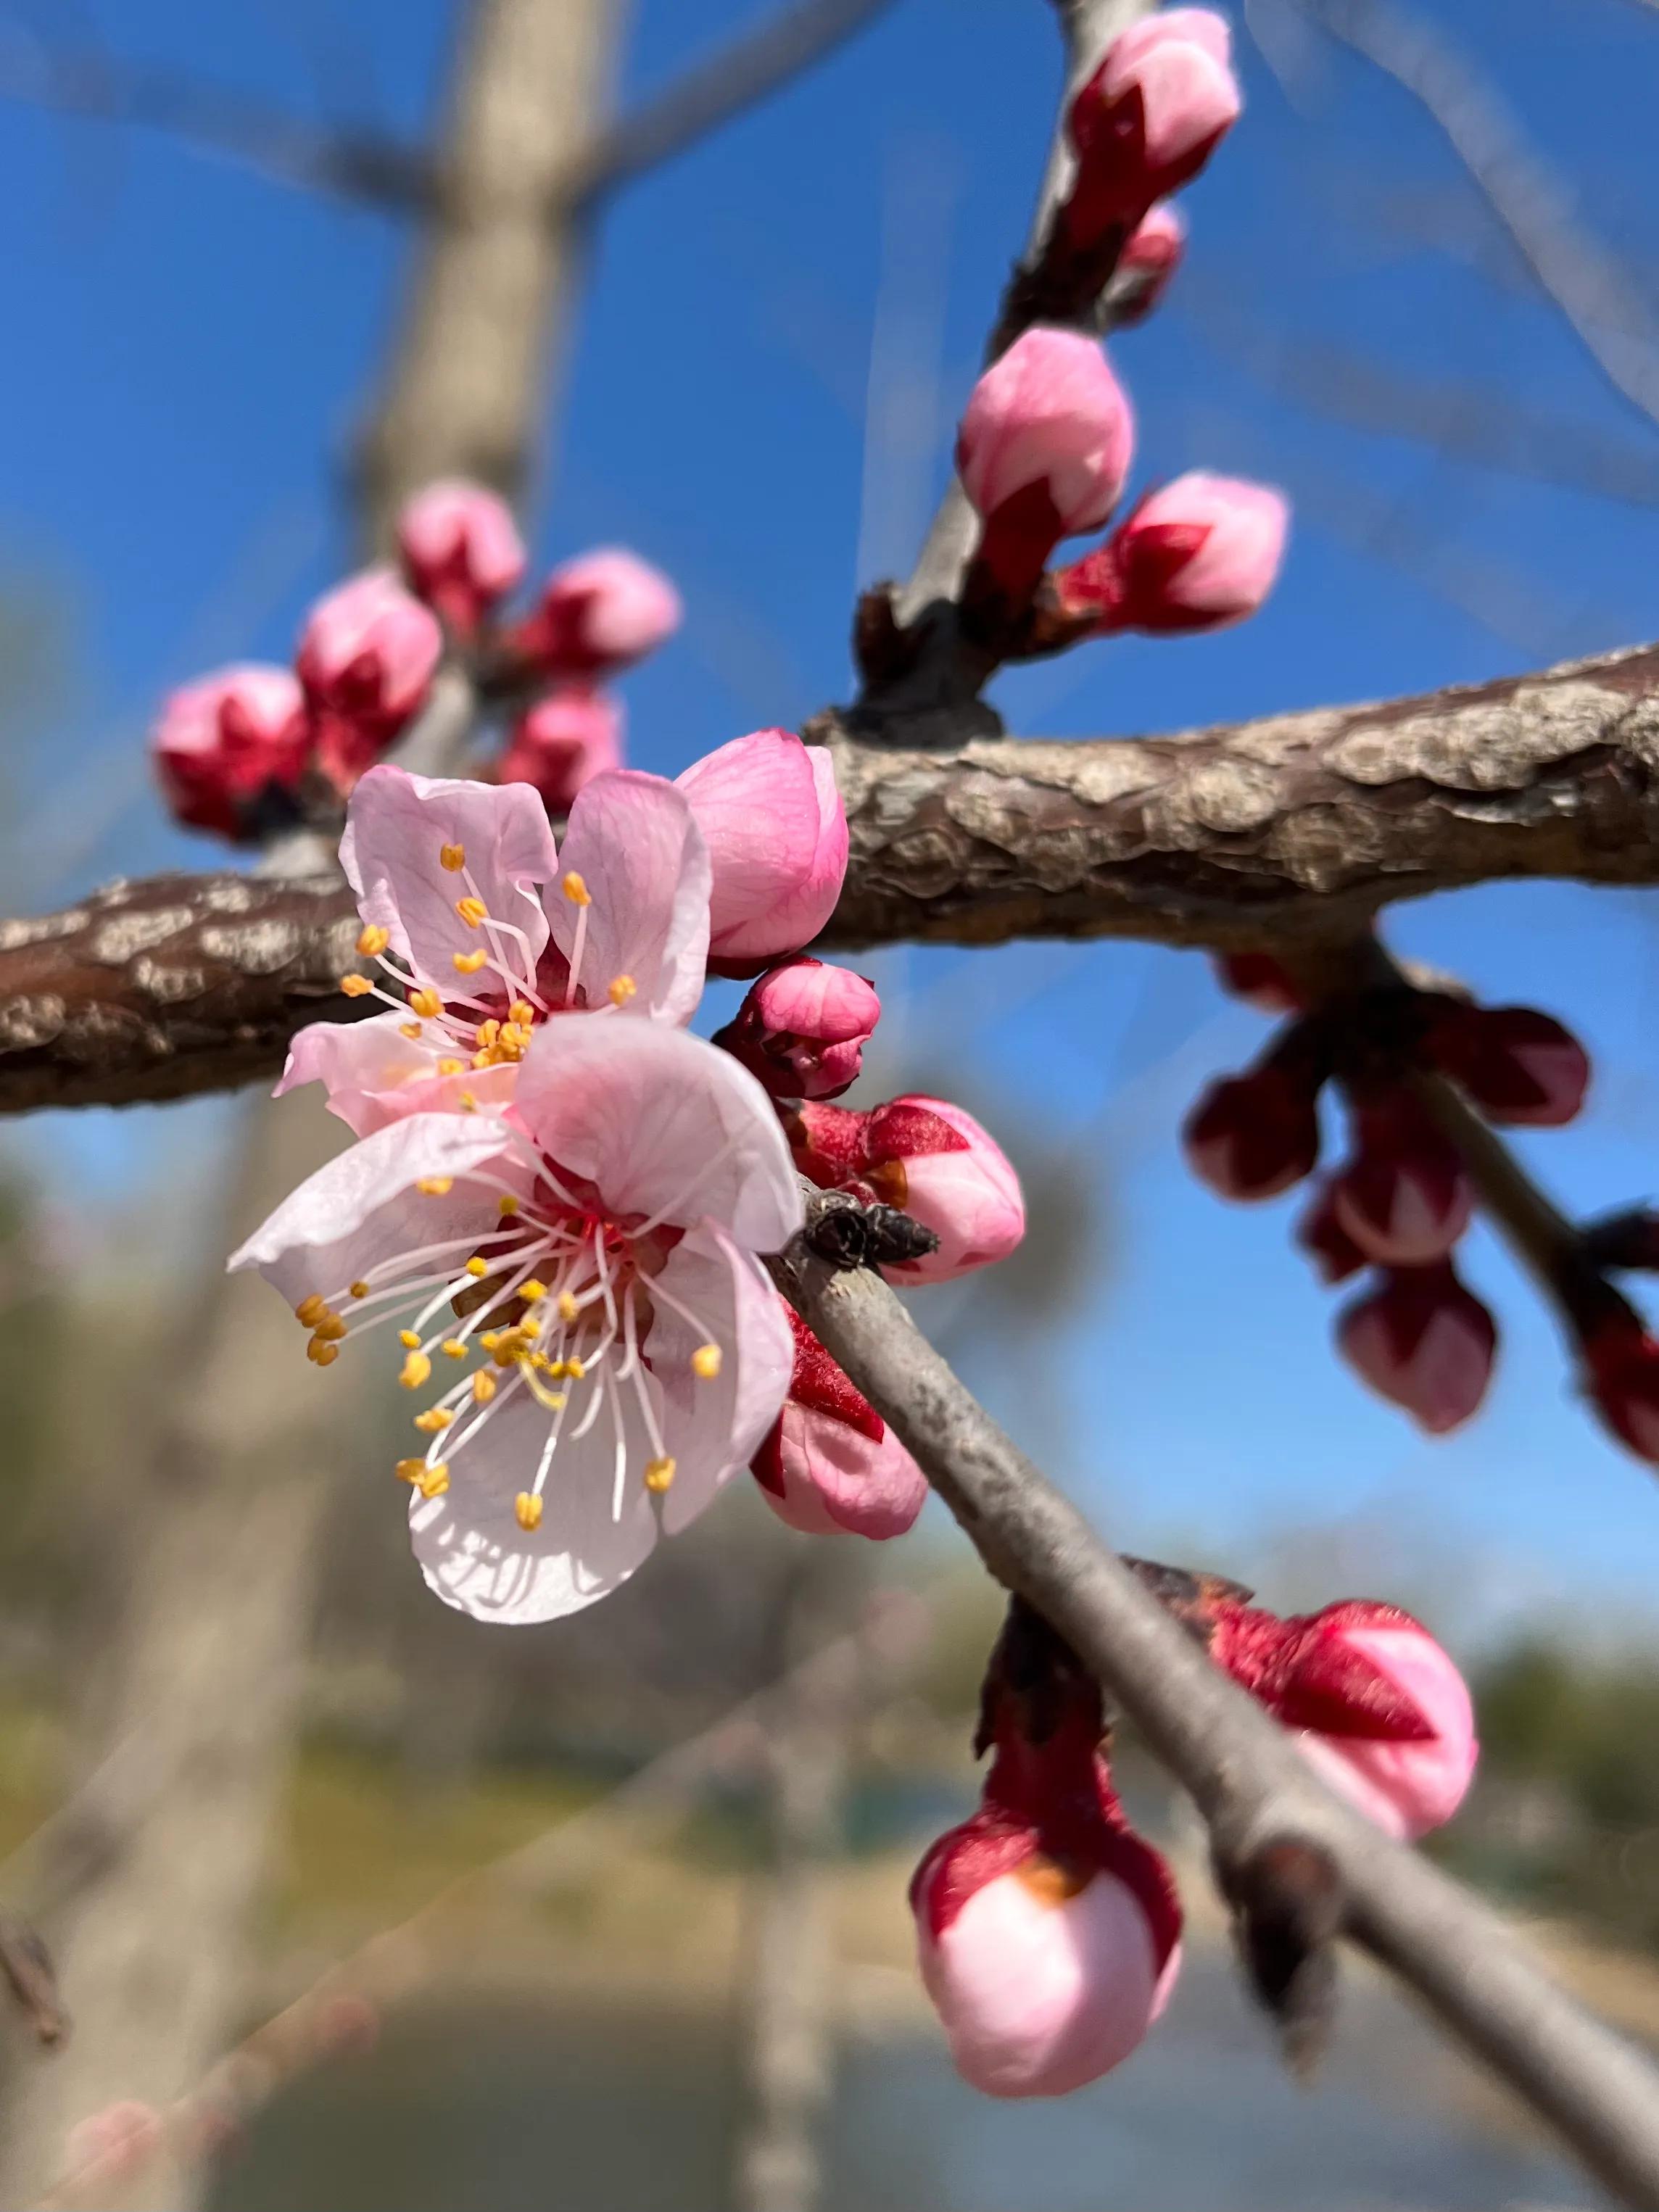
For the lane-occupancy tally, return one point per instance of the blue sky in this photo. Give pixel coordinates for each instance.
(764, 372)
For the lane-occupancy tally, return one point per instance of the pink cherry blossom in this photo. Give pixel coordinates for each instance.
(829, 1463)
(1200, 553)
(1148, 120)
(484, 931)
(1424, 1342)
(367, 657)
(599, 613)
(1044, 446)
(226, 741)
(599, 1247)
(776, 830)
(562, 742)
(802, 1029)
(931, 1159)
(461, 550)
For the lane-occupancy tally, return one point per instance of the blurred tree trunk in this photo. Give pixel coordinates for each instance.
(205, 1656)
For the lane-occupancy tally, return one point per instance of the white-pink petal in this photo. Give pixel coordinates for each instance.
(634, 842)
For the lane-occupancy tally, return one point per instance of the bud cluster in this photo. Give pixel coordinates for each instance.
(251, 750)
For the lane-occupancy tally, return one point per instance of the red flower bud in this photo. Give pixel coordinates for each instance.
(1621, 1365)
(803, 1027)
(1522, 1068)
(1148, 120)
(829, 1463)
(1148, 261)
(1203, 552)
(1404, 1198)
(1251, 1136)
(1326, 1243)
(461, 550)
(223, 742)
(1423, 1341)
(932, 1160)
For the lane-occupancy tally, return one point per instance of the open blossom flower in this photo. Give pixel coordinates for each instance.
(366, 659)
(1378, 1706)
(1043, 451)
(597, 1247)
(461, 550)
(776, 830)
(562, 742)
(224, 743)
(1048, 1932)
(1149, 119)
(802, 1029)
(829, 1463)
(599, 613)
(484, 931)
(1196, 554)
(931, 1159)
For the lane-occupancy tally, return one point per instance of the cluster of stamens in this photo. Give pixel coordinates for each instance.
(557, 1294)
(470, 1023)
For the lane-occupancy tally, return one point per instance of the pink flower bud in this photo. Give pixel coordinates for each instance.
(562, 742)
(1048, 1932)
(1423, 1341)
(1326, 1243)
(1380, 1709)
(461, 550)
(1147, 263)
(803, 1027)
(1044, 446)
(1251, 1136)
(222, 742)
(1201, 553)
(1522, 1068)
(366, 656)
(599, 613)
(1148, 120)
(1404, 1200)
(830, 1464)
(931, 1160)
(1621, 1362)
(776, 831)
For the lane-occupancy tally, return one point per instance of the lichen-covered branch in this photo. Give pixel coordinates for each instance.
(1291, 830)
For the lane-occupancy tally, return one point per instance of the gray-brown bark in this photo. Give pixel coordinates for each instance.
(1295, 829)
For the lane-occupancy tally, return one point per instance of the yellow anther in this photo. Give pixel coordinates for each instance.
(452, 857)
(528, 1510)
(468, 963)
(511, 1042)
(472, 911)
(435, 1481)
(490, 1339)
(478, 1267)
(541, 1363)
(426, 1002)
(532, 1290)
(453, 1348)
(409, 1470)
(330, 1327)
(321, 1353)
(570, 1306)
(466, 1102)
(483, 1387)
(373, 940)
(311, 1309)
(487, 1032)
(416, 1369)
(658, 1474)
(409, 1030)
(360, 1290)
(506, 1204)
(452, 1067)
(523, 1012)
(509, 1351)
(575, 889)
(409, 1340)
(485, 1059)
(622, 989)
(706, 1361)
(355, 987)
(574, 1370)
(434, 1186)
(434, 1419)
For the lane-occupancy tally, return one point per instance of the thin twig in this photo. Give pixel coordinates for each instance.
(1254, 1790)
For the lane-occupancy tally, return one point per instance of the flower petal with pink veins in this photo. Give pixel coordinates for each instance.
(634, 842)
(375, 1074)
(475, 1555)
(663, 1124)
(395, 827)
(717, 1423)
(363, 1207)
(776, 830)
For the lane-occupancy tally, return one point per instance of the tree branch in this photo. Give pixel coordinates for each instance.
(1255, 1792)
(1292, 830)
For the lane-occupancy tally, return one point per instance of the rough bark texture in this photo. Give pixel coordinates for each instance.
(1257, 1796)
(1293, 829)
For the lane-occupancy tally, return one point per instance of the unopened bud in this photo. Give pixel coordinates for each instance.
(1423, 1341)
(803, 1027)
(461, 550)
